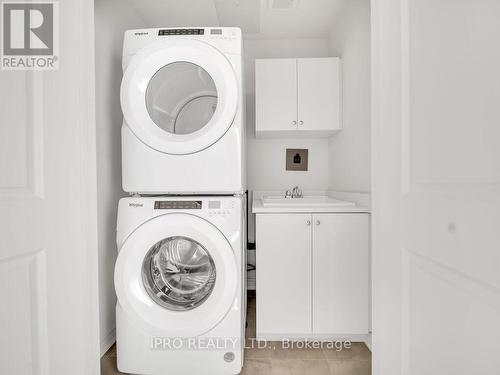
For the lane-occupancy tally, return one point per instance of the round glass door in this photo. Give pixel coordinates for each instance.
(178, 273)
(181, 98)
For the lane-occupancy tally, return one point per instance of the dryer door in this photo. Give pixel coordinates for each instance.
(176, 275)
(179, 96)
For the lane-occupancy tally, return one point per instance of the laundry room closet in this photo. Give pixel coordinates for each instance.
(337, 161)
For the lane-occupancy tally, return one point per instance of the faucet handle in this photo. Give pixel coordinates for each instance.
(296, 192)
(288, 194)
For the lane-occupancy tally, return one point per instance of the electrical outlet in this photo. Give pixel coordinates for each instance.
(296, 159)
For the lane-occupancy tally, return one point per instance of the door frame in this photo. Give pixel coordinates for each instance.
(87, 125)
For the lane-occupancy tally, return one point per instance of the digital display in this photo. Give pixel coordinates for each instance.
(181, 32)
(215, 205)
(177, 205)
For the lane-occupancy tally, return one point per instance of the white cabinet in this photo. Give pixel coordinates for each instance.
(340, 263)
(318, 95)
(276, 94)
(312, 275)
(283, 274)
(297, 97)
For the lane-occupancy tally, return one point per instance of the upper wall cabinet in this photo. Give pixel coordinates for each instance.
(298, 97)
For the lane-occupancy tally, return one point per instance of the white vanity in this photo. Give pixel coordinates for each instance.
(312, 259)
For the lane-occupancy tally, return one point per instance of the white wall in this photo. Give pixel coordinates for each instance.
(109, 38)
(349, 150)
(340, 163)
(266, 157)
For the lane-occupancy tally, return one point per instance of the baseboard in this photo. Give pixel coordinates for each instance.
(368, 341)
(108, 341)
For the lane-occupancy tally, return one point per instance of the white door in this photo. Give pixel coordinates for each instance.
(340, 264)
(283, 275)
(318, 93)
(436, 192)
(48, 248)
(179, 96)
(276, 94)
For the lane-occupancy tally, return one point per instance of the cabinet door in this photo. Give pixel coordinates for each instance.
(276, 94)
(283, 262)
(340, 273)
(318, 92)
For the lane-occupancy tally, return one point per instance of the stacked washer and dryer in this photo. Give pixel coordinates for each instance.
(180, 272)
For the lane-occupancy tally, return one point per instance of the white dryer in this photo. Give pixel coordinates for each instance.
(182, 102)
(180, 281)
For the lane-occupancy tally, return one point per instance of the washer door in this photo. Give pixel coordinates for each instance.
(179, 96)
(176, 275)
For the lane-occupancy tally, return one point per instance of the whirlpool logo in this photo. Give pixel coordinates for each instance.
(135, 205)
(30, 35)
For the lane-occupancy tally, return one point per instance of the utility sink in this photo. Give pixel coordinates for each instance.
(306, 201)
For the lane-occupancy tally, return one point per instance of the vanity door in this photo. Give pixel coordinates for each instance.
(340, 263)
(283, 275)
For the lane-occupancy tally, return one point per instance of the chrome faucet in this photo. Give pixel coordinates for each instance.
(296, 192)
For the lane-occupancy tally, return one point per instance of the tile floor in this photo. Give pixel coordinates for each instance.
(273, 360)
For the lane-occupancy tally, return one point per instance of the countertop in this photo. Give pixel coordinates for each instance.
(361, 201)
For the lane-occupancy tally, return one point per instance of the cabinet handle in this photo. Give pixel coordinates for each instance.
(318, 222)
(294, 123)
(308, 222)
(301, 122)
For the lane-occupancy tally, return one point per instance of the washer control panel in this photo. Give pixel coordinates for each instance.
(219, 208)
(178, 205)
(214, 207)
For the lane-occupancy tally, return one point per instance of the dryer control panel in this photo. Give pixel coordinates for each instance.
(226, 39)
(212, 31)
(181, 32)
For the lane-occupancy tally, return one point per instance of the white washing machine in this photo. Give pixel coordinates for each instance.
(180, 282)
(182, 102)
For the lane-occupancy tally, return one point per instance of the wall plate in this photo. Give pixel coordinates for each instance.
(297, 159)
